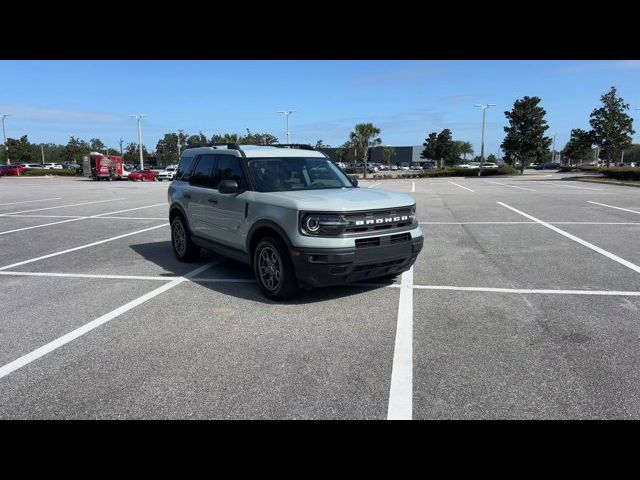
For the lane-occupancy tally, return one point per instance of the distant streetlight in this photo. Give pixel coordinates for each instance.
(139, 117)
(484, 111)
(553, 149)
(286, 114)
(4, 133)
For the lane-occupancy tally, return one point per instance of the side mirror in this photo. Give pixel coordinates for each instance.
(228, 186)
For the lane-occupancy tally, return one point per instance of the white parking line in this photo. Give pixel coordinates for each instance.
(88, 275)
(453, 183)
(511, 186)
(401, 391)
(529, 290)
(617, 208)
(528, 223)
(60, 206)
(593, 247)
(413, 187)
(102, 215)
(374, 185)
(111, 239)
(78, 332)
(32, 201)
(567, 186)
(42, 225)
(128, 210)
(157, 278)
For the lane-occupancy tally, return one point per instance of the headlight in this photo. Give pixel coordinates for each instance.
(322, 224)
(412, 215)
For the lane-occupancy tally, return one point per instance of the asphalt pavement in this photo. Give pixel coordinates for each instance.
(525, 303)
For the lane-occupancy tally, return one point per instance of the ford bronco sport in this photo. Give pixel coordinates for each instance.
(290, 213)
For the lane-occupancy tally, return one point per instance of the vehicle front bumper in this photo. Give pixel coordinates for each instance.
(334, 266)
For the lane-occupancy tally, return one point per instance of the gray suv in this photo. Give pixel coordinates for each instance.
(290, 213)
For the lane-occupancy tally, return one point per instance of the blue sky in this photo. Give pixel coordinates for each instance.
(52, 100)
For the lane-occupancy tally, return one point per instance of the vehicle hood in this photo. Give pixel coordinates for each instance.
(338, 200)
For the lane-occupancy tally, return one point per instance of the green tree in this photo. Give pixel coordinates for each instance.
(388, 152)
(363, 137)
(445, 149)
(492, 158)
(612, 127)
(257, 139)
(75, 149)
(96, 145)
(167, 147)
(226, 138)
(464, 149)
(579, 147)
(132, 155)
(194, 141)
(20, 151)
(430, 144)
(525, 139)
(321, 144)
(346, 152)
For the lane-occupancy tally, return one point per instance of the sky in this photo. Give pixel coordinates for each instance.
(52, 100)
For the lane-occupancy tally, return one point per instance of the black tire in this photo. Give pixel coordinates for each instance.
(273, 269)
(183, 248)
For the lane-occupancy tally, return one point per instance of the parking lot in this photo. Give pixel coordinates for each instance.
(525, 303)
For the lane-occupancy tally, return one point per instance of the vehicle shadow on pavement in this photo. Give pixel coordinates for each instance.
(237, 279)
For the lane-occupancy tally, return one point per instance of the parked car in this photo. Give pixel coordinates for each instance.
(52, 166)
(394, 167)
(70, 166)
(167, 174)
(31, 165)
(11, 170)
(143, 176)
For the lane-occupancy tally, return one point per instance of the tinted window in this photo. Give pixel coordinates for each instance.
(184, 168)
(229, 168)
(201, 174)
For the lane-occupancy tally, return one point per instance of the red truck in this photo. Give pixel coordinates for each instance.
(107, 167)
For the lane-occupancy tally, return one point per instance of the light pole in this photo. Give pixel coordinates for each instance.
(286, 114)
(484, 111)
(162, 145)
(4, 133)
(42, 151)
(121, 151)
(553, 149)
(139, 117)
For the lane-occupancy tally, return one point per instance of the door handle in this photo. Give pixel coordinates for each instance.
(212, 200)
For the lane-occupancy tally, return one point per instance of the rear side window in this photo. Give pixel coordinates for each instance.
(229, 168)
(184, 168)
(201, 175)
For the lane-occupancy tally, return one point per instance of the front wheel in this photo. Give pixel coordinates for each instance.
(183, 248)
(274, 270)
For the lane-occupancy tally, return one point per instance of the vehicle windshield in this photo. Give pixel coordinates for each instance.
(288, 174)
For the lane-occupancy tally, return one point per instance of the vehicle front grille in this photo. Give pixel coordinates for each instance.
(376, 220)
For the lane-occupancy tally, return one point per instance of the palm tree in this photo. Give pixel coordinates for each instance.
(466, 148)
(388, 153)
(362, 138)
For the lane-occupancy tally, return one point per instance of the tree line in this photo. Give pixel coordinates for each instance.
(525, 140)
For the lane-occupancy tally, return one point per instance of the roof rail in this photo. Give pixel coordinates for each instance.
(230, 145)
(301, 146)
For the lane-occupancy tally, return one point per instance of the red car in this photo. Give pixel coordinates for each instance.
(11, 170)
(143, 176)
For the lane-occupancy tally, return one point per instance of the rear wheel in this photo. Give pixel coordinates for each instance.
(183, 248)
(273, 269)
